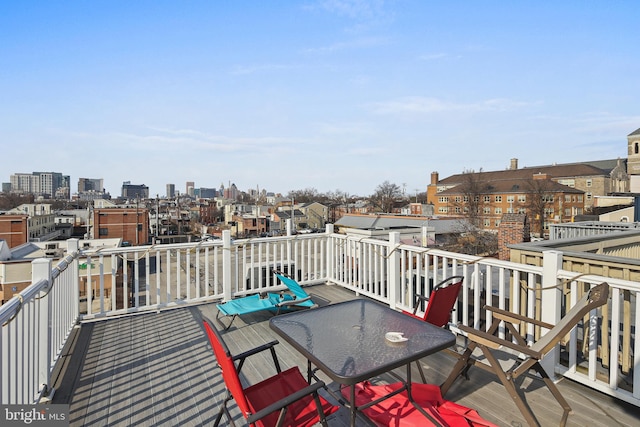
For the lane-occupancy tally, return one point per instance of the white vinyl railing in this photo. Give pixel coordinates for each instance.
(36, 324)
(600, 353)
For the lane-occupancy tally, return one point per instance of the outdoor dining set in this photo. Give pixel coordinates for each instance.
(354, 342)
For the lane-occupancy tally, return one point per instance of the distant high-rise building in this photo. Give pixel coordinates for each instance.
(231, 193)
(48, 184)
(131, 191)
(90, 184)
(91, 189)
(208, 193)
(171, 191)
(190, 187)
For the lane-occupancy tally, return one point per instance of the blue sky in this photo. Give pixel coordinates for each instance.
(332, 95)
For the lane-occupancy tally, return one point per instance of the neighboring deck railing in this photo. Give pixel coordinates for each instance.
(600, 353)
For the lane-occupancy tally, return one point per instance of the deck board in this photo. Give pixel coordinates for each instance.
(156, 369)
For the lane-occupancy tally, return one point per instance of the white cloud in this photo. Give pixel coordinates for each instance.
(261, 68)
(429, 105)
(359, 43)
(354, 9)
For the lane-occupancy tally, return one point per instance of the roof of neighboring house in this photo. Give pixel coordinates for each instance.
(390, 222)
(515, 186)
(635, 132)
(527, 173)
(286, 214)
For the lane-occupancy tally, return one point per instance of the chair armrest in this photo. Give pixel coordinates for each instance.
(285, 401)
(292, 302)
(416, 304)
(510, 317)
(256, 350)
(492, 341)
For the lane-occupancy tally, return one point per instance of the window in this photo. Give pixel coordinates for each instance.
(511, 199)
(443, 199)
(486, 210)
(567, 212)
(498, 199)
(458, 199)
(567, 197)
(458, 210)
(579, 197)
(498, 211)
(588, 196)
(589, 182)
(443, 209)
(104, 232)
(497, 222)
(466, 199)
(509, 210)
(522, 198)
(487, 199)
(487, 223)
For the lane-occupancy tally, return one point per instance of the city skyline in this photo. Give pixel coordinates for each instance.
(331, 95)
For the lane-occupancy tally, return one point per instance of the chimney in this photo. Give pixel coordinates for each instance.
(540, 175)
(514, 164)
(435, 177)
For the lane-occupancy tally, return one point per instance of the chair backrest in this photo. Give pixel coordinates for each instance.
(227, 366)
(293, 286)
(441, 301)
(597, 296)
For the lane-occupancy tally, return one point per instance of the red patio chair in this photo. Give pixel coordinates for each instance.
(427, 407)
(285, 399)
(439, 306)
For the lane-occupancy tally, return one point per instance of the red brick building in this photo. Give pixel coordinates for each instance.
(14, 229)
(129, 224)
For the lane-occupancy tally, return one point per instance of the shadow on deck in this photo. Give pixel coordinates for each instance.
(156, 369)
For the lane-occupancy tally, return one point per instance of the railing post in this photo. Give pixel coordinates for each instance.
(551, 303)
(395, 282)
(73, 246)
(330, 252)
(41, 270)
(226, 265)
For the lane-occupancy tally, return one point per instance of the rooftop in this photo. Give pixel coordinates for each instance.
(157, 369)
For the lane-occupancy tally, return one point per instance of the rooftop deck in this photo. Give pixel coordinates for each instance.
(156, 369)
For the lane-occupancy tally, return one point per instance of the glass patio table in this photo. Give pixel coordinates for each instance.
(347, 341)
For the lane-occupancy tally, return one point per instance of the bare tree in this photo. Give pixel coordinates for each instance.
(304, 196)
(469, 192)
(385, 196)
(539, 200)
(471, 240)
(12, 200)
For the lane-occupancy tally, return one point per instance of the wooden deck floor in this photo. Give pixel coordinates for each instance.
(156, 369)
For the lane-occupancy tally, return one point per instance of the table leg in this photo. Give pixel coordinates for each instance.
(352, 399)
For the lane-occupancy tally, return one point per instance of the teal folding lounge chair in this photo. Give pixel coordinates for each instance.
(296, 298)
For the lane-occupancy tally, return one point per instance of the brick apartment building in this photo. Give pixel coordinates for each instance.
(129, 224)
(552, 192)
(14, 229)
